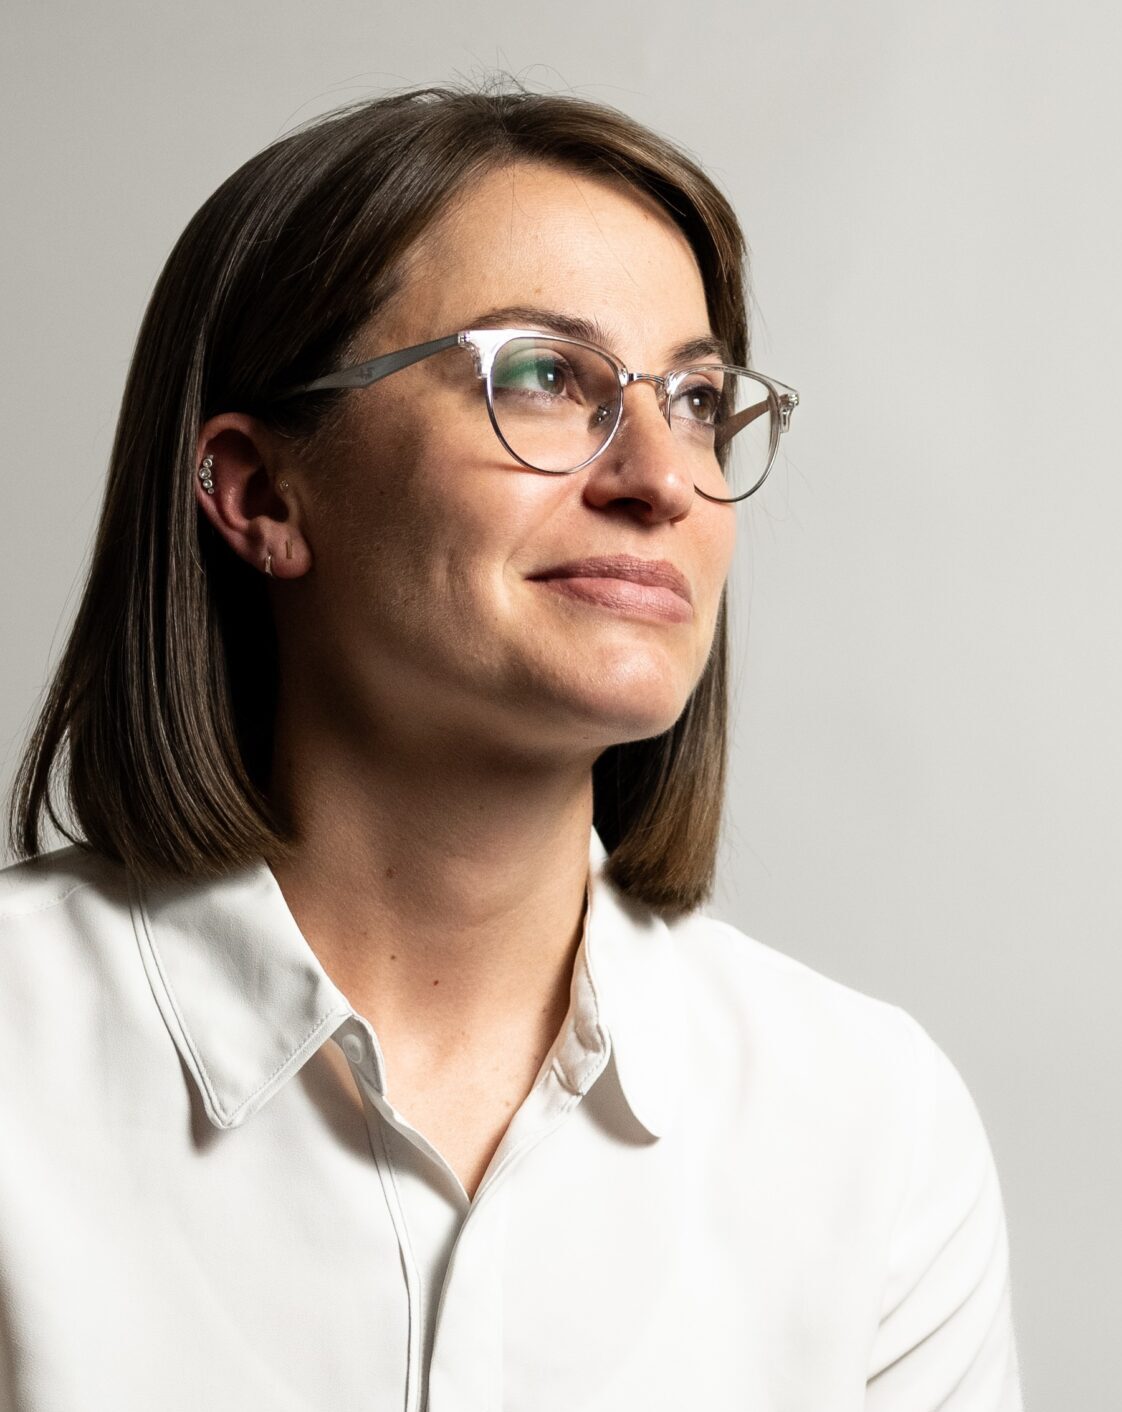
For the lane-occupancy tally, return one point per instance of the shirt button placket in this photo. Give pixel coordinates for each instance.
(359, 1051)
(466, 1372)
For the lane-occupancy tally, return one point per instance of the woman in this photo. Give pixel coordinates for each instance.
(367, 1046)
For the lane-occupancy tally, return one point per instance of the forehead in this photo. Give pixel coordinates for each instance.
(549, 236)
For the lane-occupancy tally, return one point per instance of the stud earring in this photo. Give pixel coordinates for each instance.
(205, 474)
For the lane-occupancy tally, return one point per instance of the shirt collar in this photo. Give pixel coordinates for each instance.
(248, 1002)
(632, 961)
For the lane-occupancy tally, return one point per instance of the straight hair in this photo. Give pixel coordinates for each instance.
(157, 724)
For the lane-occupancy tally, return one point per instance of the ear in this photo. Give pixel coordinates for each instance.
(255, 501)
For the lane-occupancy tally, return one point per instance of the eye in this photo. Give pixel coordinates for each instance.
(698, 402)
(537, 371)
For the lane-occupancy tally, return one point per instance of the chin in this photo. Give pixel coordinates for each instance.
(626, 716)
(605, 697)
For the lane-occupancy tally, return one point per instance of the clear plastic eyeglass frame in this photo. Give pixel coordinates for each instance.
(485, 345)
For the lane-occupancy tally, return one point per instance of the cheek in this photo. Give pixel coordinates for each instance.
(374, 529)
(715, 557)
(437, 540)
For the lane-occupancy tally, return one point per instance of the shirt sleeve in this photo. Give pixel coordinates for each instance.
(945, 1338)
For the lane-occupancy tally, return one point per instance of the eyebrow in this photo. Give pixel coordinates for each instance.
(706, 346)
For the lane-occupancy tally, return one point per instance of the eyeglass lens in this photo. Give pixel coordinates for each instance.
(555, 404)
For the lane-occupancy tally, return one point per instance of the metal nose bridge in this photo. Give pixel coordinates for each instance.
(661, 384)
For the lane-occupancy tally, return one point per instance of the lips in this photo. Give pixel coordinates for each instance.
(621, 585)
(655, 573)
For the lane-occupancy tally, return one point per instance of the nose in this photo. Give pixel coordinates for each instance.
(643, 468)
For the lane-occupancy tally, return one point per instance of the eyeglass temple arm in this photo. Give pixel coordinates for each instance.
(363, 374)
(741, 419)
(788, 400)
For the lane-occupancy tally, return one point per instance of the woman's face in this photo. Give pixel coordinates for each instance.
(430, 599)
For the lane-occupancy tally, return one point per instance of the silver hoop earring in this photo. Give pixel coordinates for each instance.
(205, 474)
(269, 563)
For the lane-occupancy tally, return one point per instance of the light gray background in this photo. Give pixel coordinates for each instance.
(927, 767)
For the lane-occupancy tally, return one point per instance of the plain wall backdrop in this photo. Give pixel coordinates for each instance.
(927, 769)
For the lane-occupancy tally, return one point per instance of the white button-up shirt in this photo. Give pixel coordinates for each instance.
(735, 1185)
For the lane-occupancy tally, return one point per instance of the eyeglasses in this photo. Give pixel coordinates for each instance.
(556, 403)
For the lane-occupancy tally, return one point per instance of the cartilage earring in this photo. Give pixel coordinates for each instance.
(269, 562)
(205, 474)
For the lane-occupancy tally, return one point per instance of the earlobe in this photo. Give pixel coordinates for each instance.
(288, 554)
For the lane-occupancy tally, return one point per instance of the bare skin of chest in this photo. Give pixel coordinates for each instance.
(463, 1110)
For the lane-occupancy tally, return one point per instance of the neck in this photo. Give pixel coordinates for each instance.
(441, 887)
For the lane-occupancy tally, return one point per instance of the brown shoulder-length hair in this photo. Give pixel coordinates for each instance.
(158, 721)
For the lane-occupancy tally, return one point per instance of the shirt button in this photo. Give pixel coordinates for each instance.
(353, 1048)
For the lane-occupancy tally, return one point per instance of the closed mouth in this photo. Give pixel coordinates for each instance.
(657, 573)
